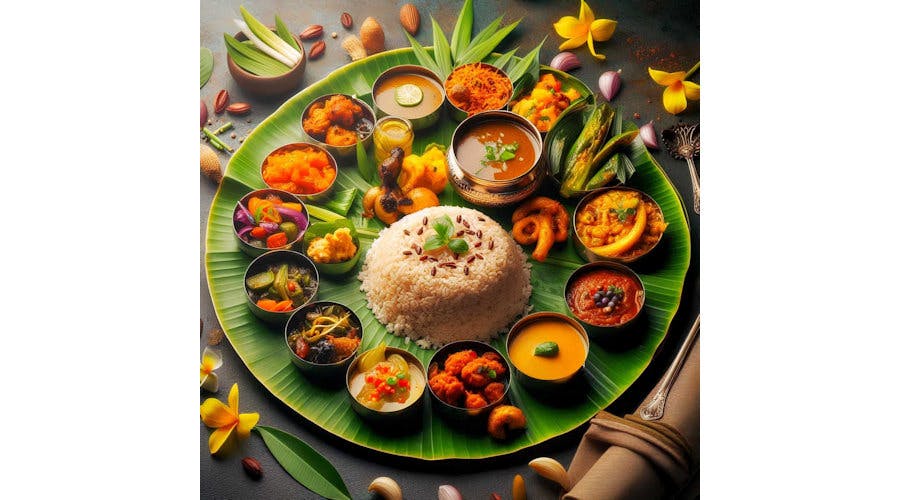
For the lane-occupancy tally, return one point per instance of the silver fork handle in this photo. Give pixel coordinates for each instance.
(695, 183)
(657, 406)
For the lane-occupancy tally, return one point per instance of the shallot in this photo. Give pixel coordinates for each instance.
(648, 135)
(609, 84)
(565, 61)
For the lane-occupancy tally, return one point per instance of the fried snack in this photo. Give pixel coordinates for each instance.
(494, 391)
(480, 372)
(456, 361)
(503, 419)
(475, 400)
(543, 221)
(447, 388)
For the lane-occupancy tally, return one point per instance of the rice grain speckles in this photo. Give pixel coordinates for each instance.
(447, 297)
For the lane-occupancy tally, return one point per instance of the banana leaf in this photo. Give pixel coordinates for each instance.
(610, 368)
(579, 165)
(319, 230)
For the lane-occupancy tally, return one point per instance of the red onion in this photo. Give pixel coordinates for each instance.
(648, 135)
(609, 84)
(448, 492)
(295, 216)
(243, 232)
(203, 113)
(270, 227)
(565, 61)
(243, 216)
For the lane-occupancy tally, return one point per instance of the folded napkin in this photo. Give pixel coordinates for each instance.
(634, 458)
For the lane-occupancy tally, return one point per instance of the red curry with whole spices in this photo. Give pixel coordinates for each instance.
(605, 297)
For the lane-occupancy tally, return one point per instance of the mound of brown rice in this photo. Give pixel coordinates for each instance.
(439, 297)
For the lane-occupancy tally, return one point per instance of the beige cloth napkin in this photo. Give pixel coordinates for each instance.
(623, 458)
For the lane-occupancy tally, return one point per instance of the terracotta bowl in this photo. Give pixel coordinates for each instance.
(265, 86)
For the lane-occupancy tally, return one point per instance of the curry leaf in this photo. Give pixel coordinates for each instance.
(206, 65)
(304, 464)
(462, 32)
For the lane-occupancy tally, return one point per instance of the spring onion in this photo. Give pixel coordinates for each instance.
(252, 59)
(266, 37)
(269, 51)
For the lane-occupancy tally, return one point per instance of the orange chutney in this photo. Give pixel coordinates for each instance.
(569, 359)
(580, 297)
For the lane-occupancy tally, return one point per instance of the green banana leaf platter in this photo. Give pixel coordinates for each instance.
(612, 365)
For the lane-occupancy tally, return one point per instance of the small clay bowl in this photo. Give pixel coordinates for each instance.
(594, 328)
(460, 415)
(256, 251)
(307, 197)
(266, 86)
(545, 384)
(585, 251)
(262, 263)
(366, 125)
(410, 413)
(324, 373)
(460, 114)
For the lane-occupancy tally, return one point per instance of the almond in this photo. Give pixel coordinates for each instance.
(220, 102)
(346, 20)
(409, 18)
(317, 50)
(372, 36)
(313, 31)
(252, 468)
(238, 108)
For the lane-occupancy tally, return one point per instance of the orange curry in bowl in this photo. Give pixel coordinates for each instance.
(605, 297)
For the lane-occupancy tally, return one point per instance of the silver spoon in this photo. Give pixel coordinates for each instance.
(657, 406)
(683, 143)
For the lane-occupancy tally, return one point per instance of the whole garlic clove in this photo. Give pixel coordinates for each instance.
(609, 83)
(448, 492)
(551, 469)
(387, 488)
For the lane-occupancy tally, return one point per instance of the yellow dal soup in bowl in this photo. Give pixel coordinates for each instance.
(547, 349)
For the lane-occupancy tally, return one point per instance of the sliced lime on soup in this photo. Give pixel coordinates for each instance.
(408, 95)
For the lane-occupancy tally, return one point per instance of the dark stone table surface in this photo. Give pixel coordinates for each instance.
(663, 34)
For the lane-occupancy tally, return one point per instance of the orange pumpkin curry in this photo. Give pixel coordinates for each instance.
(496, 151)
(620, 223)
(548, 349)
(605, 297)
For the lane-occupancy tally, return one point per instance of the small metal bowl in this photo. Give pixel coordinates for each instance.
(409, 414)
(418, 120)
(343, 152)
(496, 193)
(580, 245)
(470, 418)
(460, 114)
(286, 197)
(596, 329)
(309, 197)
(537, 384)
(327, 374)
(268, 86)
(262, 263)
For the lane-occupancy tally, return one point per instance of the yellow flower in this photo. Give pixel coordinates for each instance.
(678, 89)
(583, 30)
(225, 419)
(209, 361)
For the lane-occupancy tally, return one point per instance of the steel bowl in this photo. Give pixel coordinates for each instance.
(286, 197)
(409, 414)
(261, 263)
(475, 419)
(308, 197)
(537, 384)
(580, 245)
(489, 193)
(603, 330)
(460, 114)
(342, 152)
(418, 120)
(326, 374)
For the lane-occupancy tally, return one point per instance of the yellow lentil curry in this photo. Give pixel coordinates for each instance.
(620, 223)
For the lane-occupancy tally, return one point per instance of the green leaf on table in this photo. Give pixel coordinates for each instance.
(422, 55)
(462, 32)
(282, 31)
(206, 65)
(341, 201)
(366, 166)
(304, 463)
(442, 55)
(480, 50)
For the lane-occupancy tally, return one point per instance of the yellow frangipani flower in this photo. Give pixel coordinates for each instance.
(225, 419)
(583, 30)
(209, 361)
(678, 89)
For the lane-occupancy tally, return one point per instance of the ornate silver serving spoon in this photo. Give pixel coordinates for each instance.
(683, 143)
(657, 406)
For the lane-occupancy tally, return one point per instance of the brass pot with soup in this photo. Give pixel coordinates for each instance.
(410, 92)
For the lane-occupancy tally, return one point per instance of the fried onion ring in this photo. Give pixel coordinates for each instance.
(546, 206)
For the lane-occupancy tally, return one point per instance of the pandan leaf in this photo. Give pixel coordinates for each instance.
(505, 59)
(304, 463)
(442, 55)
(423, 57)
(462, 32)
(206, 65)
(529, 64)
(480, 50)
(282, 31)
(250, 58)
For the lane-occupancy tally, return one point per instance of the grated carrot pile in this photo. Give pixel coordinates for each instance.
(478, 87)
